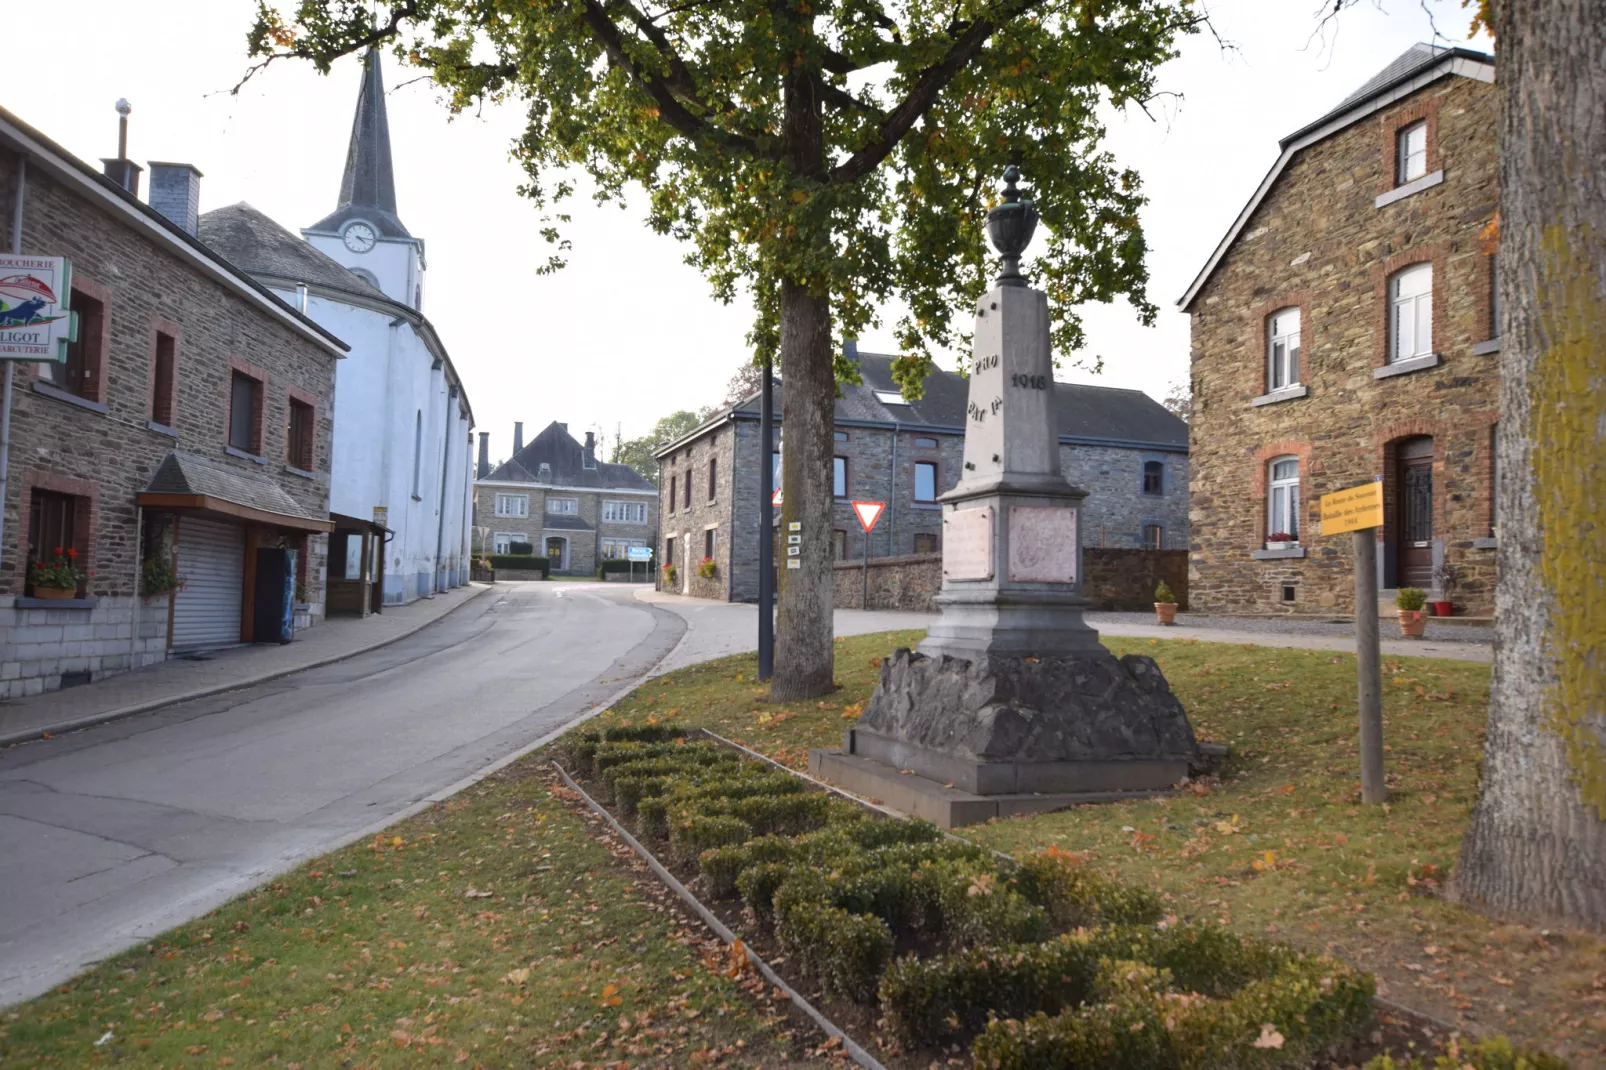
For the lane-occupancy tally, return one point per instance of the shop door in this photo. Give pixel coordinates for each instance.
(1414, 514)
(211, 560)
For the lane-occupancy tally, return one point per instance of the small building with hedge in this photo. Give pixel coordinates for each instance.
(570, 513)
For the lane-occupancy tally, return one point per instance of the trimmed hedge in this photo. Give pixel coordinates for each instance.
(1494, 1054)
(1041, 961)
(522, 563)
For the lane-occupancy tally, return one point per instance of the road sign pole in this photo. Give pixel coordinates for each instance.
(1369, 670)
(864, 587)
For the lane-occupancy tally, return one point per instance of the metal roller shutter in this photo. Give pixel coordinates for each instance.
(211, 558)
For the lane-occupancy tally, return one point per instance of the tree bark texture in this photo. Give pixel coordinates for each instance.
(803, 633)
(1537, 841)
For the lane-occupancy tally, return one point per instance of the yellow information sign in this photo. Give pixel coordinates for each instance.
(1352, 509)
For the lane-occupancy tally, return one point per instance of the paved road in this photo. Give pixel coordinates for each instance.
(115, 833)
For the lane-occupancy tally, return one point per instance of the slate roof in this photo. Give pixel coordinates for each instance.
(186, 473)
(368, 184)
(1086, 412)
(556, 447)
(565, 523)
(251, 240)
(1402, 68)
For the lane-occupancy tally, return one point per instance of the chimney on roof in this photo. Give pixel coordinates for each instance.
(176, 193)
(483, 469)
(122, 170)
(591, 450)
(518, 435)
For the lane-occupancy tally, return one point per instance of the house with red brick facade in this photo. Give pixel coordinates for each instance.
(178, 454)
(1346, 330)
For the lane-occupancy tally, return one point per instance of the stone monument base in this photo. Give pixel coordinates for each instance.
(1015, 734)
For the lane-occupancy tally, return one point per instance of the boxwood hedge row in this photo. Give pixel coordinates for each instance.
(1037, 963)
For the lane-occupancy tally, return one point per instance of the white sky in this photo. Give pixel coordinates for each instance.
(628, 333)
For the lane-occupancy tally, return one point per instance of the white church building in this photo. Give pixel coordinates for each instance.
(401, 473)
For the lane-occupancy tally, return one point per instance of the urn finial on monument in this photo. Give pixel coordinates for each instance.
(1011, 225)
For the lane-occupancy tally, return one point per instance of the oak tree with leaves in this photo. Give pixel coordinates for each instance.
(827, 155)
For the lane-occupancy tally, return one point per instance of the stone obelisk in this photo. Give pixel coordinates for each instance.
(1012, 704)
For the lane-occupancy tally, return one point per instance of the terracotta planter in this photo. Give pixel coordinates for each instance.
(1413, 622)
(1443, 609)
(55, 592)
(1166, 612)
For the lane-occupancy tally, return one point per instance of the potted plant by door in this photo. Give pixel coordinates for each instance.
(1445, 579)
(57, 576)
(1165, 604)
(1281, 540)
(1410, 601)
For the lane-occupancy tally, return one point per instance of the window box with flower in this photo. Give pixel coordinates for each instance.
(669, 574)
(57, 576)
(1281, 540)
(707, 568)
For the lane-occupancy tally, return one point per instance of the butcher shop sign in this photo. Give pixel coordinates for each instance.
(34, 321)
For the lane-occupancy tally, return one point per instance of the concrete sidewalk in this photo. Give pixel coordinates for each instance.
(718, 629)
(182, 679)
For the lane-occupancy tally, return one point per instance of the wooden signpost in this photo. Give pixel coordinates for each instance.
(1360, 510)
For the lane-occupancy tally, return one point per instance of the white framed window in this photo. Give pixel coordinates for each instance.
(1282, 498)
(614, 549)
(512, 505)
(925, 481)
(1411, 153)
(839, 477)
(1411, 313)
(1282, 349)
(503, 540)
(624, 512)
(562, 506)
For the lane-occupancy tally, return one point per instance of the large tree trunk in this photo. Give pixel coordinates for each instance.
(803, 633)
(1537, 843)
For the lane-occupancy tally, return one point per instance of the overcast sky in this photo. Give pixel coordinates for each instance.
(628, 333)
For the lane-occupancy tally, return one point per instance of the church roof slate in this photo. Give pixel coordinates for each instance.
(557, 448)
(251, 240)
(368, 184)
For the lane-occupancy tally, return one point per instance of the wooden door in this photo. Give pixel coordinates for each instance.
(1413, 515)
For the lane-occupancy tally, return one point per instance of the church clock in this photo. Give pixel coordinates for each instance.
(359, 237)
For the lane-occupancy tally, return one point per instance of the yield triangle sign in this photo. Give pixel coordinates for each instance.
(869, 513)
(775, 499)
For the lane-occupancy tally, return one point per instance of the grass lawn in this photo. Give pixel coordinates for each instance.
(495, 930)
(1281, 844)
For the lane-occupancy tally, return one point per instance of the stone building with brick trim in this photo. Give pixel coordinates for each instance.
(554, 494)
(1121, 446)
(187, 432)
(1346, 330)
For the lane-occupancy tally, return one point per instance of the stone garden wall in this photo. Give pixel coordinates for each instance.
(1113, 579)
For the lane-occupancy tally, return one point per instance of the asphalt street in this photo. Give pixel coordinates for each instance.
(112, 834)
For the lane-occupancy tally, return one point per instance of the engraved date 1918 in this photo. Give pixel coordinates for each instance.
(1029, 382)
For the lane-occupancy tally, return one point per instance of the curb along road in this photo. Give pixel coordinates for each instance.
(29, 734)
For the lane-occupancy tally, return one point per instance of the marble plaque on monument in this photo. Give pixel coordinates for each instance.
(967, 544)
(1042, 544)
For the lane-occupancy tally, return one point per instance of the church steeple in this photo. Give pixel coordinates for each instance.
(369, 179)
(368, 184)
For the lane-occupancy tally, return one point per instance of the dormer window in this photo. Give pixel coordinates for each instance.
(544, 473)
(1411, 153)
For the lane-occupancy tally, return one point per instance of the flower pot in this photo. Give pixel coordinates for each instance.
(1278, 544)
(1443, 609)
(1413, 622)
(1166, 612)
(55, 592)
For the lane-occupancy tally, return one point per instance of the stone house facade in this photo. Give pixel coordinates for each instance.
(1125, 449)
(187, 432)
(557, 496)
(1345, 331)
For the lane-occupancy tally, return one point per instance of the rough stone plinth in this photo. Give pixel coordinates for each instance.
(1083, 722)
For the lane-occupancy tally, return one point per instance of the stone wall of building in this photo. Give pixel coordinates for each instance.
(1115, 578)
(1111, 578)
(102, 445)
(585, 553)
(881, 467)
(1319, 241)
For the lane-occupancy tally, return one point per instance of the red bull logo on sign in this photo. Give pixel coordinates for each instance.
(35, 323)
